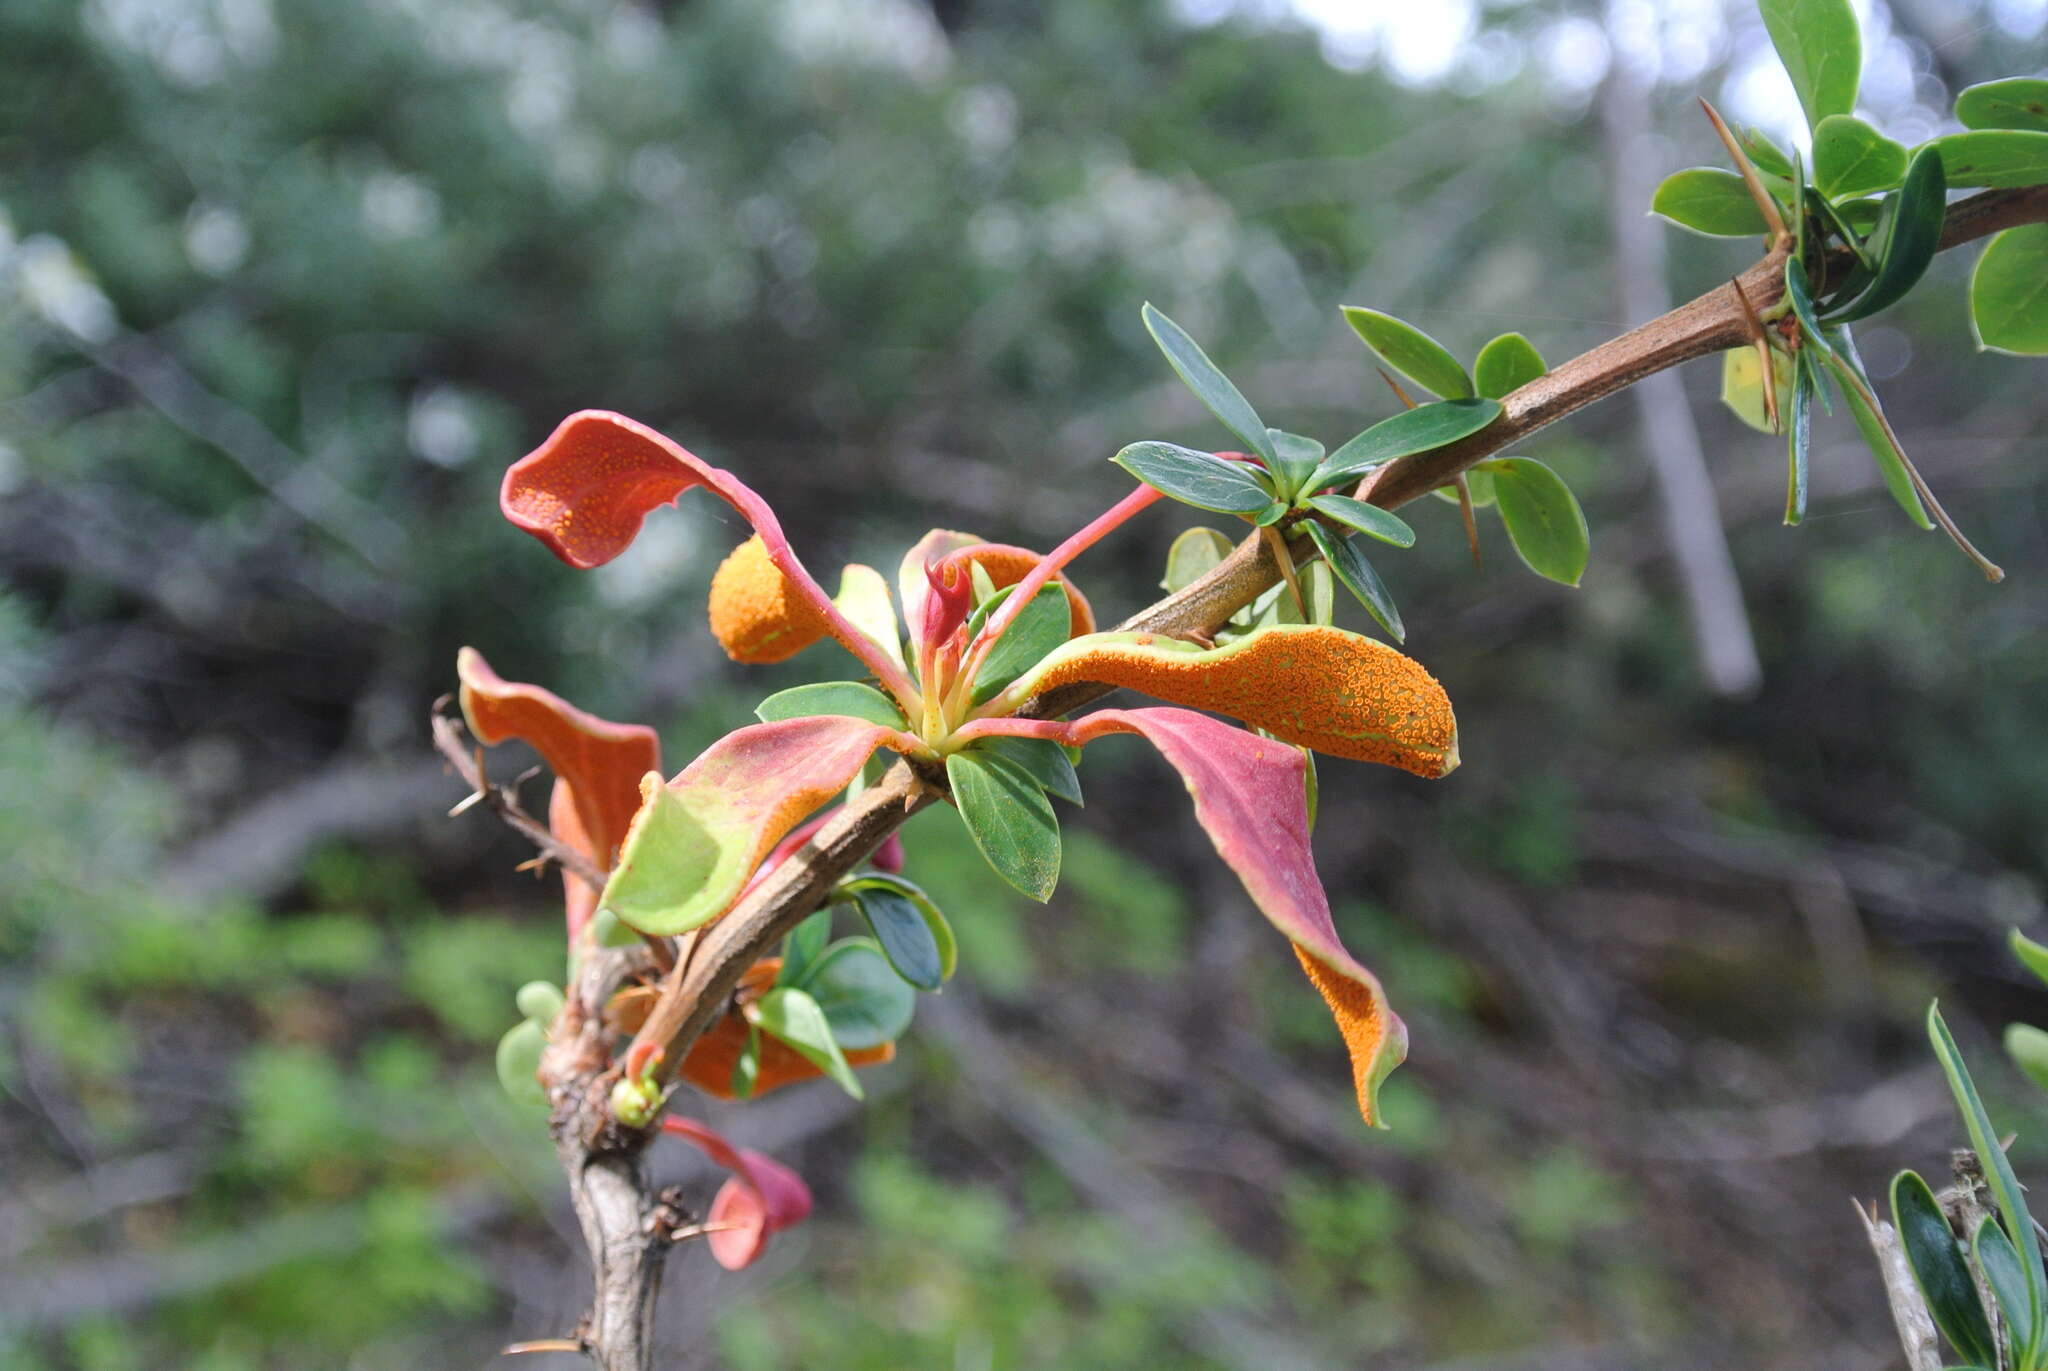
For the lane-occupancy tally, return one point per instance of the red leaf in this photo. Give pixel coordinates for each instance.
(762, 1198)
(1006, 565)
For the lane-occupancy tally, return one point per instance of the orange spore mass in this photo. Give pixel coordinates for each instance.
(757, 614)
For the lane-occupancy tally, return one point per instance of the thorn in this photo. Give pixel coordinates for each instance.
(537, 865)
(1395, 386)
(1762, 341)
(1471, 521)
(1285, 560)
(1781, 237)
(523, 777)
(514, 1349)
(466, 803)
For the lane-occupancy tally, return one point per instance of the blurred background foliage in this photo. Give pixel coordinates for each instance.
(284, 285)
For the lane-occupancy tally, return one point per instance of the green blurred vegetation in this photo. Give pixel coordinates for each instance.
(284, 285)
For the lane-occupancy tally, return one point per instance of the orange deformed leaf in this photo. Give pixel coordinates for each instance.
(1250, 798)
(1324, 688)
(1006, 565)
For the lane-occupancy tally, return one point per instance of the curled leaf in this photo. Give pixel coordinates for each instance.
(762, 1198)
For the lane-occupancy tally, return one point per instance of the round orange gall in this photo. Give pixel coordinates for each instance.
(757, 615)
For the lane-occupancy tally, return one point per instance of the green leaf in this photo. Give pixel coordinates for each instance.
(1296, 457)
(1915, 235)
(935, 922)
(518, 1059)
(2032, 955)
(2005, 1187)
(746, 1068)
(1038, 628)
(865, 1001)
(1319, 599)
(539, 1001)
(1877, 434)
(1208, 383)
(1711, 201)
(1798, 441)
(2009, 292)
(1993, 157)
(1769, 158)
(1359, 578)
(1042, 759)
(1410, 351)
(2001, 1267)
(1939, 1269)
(851, 699)
(1852, 158)
(1371, 520)
(985, 607)
(1010, 820)
(1201, 479)
(2028, 1048)
(1411, 431)
(1193, 554)
(802, 948)
(864, 599)
(1505, 364)
(793, 1016)
(906, 938)
(1822, 50)
(1742, 388)
(2018, 103)
(1802, 306)
(1271, 514)
(1543, 518)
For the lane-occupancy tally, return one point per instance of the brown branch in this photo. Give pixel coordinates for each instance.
(503, 800)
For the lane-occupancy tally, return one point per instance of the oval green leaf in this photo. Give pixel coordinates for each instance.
(1038, 628)
(1711, 201)
(1939, 1269)
(539, 1001)
(1370, 520)
(909, 936)
(794, 1017)
(1852, 158)
(1359, 578)
(849, 699)
(1295, 457)
(2028, 1048)
(1010, 820)
(1193, 554)
(864, 999)
(1543, 518)
(1201, 479)
(519, 1059)
(2009, 292)
(1505, 364)
(2020, 103)
(1410, 351)
(1411, 431)
(1918, 207)
(802, 948)
(1043, 760)
(1208, 382)
(1994, 157)
(1822, 50)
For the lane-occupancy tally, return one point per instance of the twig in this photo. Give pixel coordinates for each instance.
(503, 800)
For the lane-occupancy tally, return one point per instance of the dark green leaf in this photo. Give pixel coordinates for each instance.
(1822, 50)
(1010, 820)
(850, 698)
(1382, 524)
(1271, 514)
(1192, 555)
(1359, 578)
(1915, 234)
(865, 1001)
(2018, 103)
(1038, 628)
(519, 1059)
(1798, 442)
(1411, 431)
(906, 937)
(1994, 157)
(1542, 517)
(1295, 457)
(1044, 760)
(2001, 1267)
(2032, 955)
(1852, 158)
(1877, 434)
(746, 1067)
(2009, 292)
(2028, 1048)
(1410, 351)
(1711, 201)
(941, 931)
(985, 607)
(2005, 1187)
(1201, 479)
(802, 948)
(1802, 304)
(795, 1017)
(1938, 1267)
(1505, 364)
(1208, 383)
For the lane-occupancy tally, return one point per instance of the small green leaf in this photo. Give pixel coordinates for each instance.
(1742, 388)
(1193, 554)
(852, 699)
(1411, 431)
(1542, 517)
(1802, 306)
(864, 599)
(984, 585)
(1371, 520)
(1768, 157)
(518, 1059)
(1507, 363)
(1822, 50)
(2032, 955)
(2018, 103)
(1295, 457)
(1038, 628)
(1798, 441)
(2005, 1187)
(802, 948)
(2009, 292)
(1852, 158)
(1478, 488)
(1201, 479)
(1208, 383)
(1410, 351)
(985, 607)
(1993, 157)
(1918, 206)
(1877, 434)
(793, 1016)
(1939, 1269)
(2028, 1048)
(1042, 759)
(1359, 578)
(1318, 594)
(2009, 1287)
(865, 1001)
(1271, 514)
(746, 1068)
(905, 937)
(935, 922)
(1010, 820)
(1711, 201)
(539, 1001)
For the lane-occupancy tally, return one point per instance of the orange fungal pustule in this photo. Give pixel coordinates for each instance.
(757, 614)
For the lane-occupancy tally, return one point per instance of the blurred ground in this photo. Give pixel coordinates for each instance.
(284, 285)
